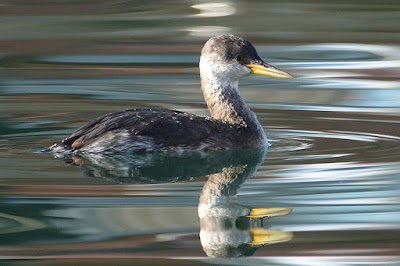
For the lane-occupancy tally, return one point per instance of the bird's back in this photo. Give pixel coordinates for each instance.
(141, 130)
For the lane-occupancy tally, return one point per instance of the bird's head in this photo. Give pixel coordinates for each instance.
(228, 57)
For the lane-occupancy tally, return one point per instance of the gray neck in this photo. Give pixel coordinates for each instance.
(219, 83)
(220, 186)
(225, 102)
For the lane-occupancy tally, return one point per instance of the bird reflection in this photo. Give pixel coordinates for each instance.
(227, 228)
(161, 167)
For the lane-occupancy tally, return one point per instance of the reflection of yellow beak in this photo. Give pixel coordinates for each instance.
(263, 236)
(268, 71)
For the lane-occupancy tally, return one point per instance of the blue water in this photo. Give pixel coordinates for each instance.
(332, 168)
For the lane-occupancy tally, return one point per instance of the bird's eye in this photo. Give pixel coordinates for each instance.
(239, 58)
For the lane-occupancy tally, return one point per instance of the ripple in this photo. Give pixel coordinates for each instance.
(337, 134)
(311, 145)
(344, 56)
(17, 224)
(120, 59)
(210, 10)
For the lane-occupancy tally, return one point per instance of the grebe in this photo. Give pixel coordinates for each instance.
(224, 60)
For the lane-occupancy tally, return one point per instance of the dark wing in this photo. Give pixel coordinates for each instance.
(177, 129)
(166, 128)
(93, 129)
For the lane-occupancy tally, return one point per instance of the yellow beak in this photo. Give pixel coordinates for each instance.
(268, 212)
(268, 71)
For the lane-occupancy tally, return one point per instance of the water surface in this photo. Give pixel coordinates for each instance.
(333, 130)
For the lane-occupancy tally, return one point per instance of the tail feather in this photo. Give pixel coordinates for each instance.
(61, 147)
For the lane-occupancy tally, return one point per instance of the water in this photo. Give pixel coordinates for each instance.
(330, 178)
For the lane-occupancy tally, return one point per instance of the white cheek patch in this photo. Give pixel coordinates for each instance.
(222, 72)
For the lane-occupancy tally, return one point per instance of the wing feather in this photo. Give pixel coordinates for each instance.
(166, 128)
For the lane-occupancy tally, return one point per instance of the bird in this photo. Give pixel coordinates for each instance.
(232, 125)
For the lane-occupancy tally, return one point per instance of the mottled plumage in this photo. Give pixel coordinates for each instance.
(224, 59)
(155, 130)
